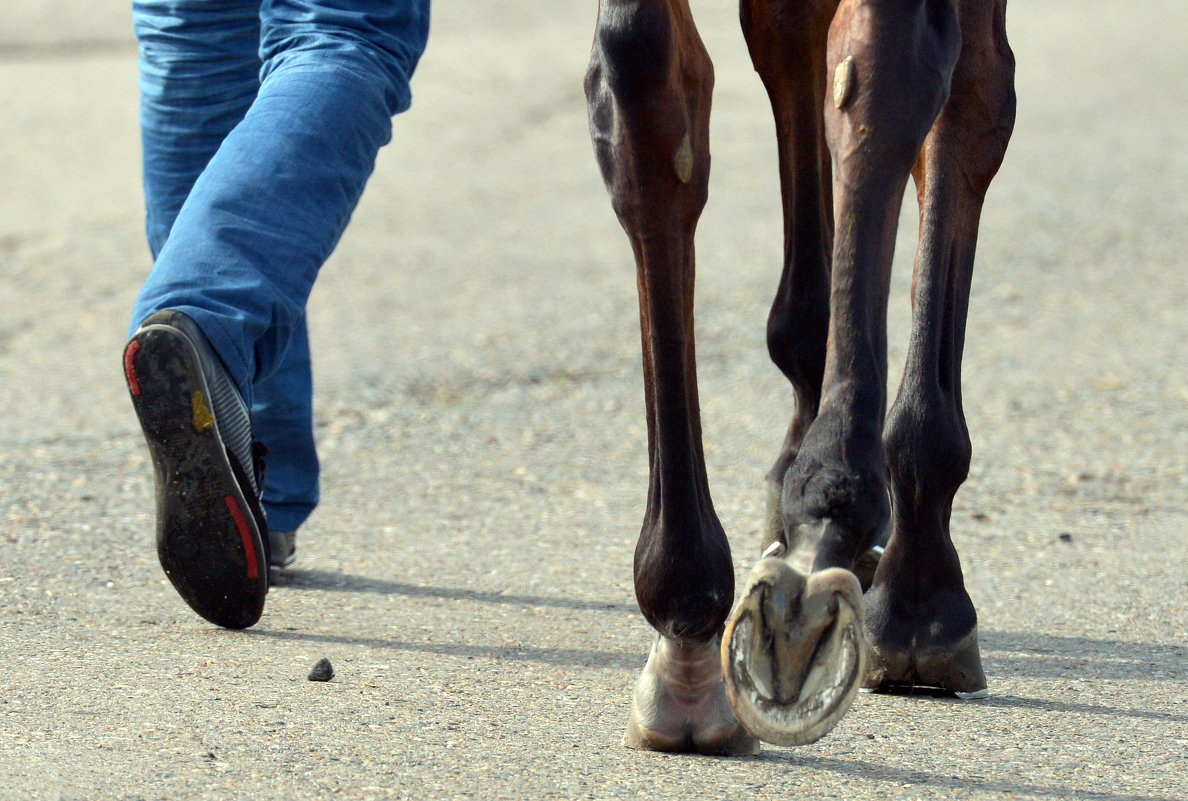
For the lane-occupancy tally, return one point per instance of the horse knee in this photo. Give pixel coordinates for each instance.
(633, 49)
(890, 66)
(648, 88)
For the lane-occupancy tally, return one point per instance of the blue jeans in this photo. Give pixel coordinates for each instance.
(260, 121)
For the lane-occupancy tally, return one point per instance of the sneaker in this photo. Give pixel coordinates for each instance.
(211, 536)
(282, 550)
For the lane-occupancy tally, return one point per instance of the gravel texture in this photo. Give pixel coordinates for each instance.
(480, 418)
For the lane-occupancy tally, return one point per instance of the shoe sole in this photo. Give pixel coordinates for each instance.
(208, 540)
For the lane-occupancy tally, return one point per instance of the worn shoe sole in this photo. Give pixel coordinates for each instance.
(208, 538)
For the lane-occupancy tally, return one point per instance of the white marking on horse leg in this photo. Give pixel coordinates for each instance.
(683, 160)
(845, 78)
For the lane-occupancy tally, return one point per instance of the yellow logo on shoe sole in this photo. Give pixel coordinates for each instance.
(203, 419)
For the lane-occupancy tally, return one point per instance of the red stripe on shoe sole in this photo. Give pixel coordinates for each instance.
(245, 534)
(130, 367)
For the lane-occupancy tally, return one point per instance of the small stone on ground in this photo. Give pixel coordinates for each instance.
(322, 671)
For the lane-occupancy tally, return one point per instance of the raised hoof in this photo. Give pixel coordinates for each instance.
(794, 654)
(680, 704)
(953, 669)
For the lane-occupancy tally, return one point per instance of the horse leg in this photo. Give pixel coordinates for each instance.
(794, 652)
(920, 620)
(648, 87)
(787, 47)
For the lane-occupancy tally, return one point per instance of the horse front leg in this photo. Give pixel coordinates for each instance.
(648, 87)
(920, 620)
(795, 651)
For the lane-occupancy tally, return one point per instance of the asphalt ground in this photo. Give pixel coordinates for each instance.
(480, 420)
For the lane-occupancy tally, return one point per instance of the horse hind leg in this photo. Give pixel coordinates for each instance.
(920, 621)
(786, 42)
(648, 87)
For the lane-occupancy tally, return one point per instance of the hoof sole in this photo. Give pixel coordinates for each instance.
(794, 653)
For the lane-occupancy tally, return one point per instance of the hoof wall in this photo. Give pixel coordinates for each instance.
(956, 670)
(737, 743)
(680, 704)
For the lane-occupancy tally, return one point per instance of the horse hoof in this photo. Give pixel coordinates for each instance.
(955, 669)
(794, 653)
(923, 643)
(680, 704)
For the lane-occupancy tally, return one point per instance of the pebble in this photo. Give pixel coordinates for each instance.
(322, 671)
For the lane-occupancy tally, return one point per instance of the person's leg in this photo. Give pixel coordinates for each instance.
(271, 205)
(200, 67)
(199, 72)
(242, 255)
